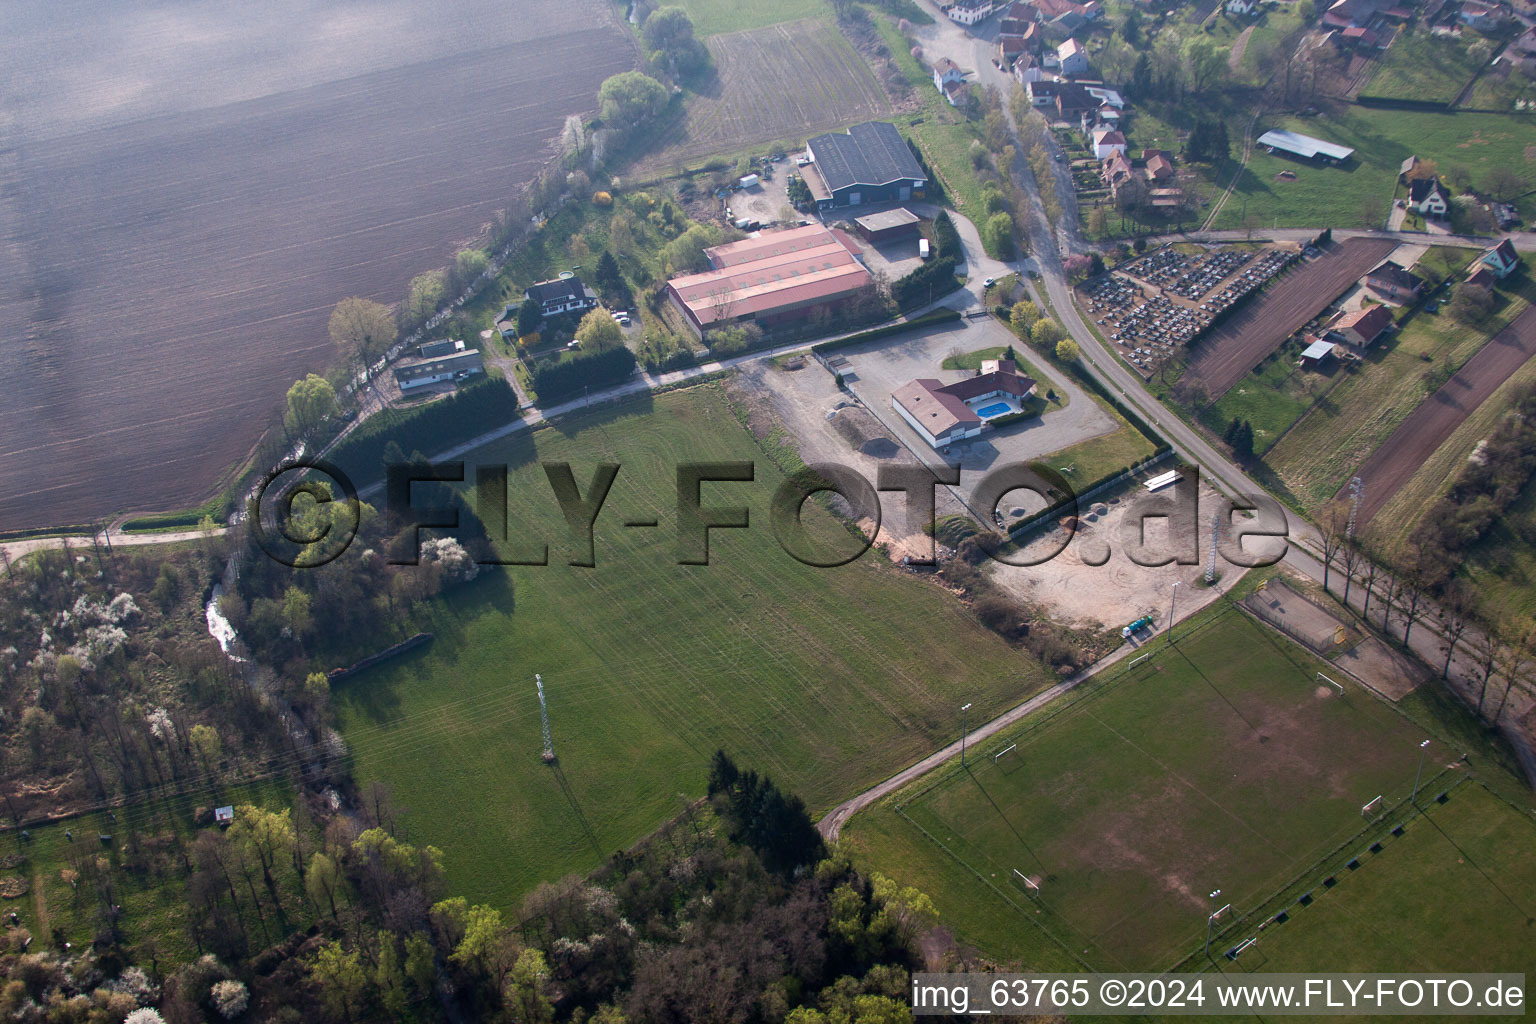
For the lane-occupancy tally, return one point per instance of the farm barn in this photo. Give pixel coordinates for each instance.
(869, 164)
(1281, 140)
(776, 277)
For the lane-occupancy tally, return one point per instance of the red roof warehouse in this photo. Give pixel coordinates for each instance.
(777, 276)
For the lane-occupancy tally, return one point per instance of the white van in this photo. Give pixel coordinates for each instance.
(922, 248)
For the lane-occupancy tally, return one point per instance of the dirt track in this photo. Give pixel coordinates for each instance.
(1395, 462)
(1224, 357)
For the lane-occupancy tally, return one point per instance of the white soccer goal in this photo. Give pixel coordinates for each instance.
(1371, 808)
(1138, 661)
(1330, 682)
(1006, 750)
(1026, 880)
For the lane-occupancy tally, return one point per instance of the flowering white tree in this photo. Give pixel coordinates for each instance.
(230, 998)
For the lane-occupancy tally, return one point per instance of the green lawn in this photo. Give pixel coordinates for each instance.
(1351, 420)
(1272, 397)
(1424, 67)
(826, 679)
(1323, 196)
(711, 17)
(1455, 892)
(1217, 763)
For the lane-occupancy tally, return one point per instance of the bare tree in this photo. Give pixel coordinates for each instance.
(1487, 648)
(1513, 656)
(1332, 541)
(1453, 616)
(1369, 570)
(1350, 555)
(1410, 600)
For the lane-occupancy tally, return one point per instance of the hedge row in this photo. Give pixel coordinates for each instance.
(1131, 416)
(932, 280)
(598, 370)
(471, 410)
(937, 316)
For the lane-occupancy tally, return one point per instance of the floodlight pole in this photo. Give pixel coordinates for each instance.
(1423, 750)
(1210, 923)
(964, 717)
(1172, 603)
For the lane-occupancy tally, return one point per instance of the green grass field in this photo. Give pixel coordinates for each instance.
(1218, 763)
(139, 869)
(1455, 892)
(711, 17)
(1271, 398)
(826, 679)
(1335, 196)
(1420, 66)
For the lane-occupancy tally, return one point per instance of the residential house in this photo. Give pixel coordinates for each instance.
(1018, 20)
(956, 92)
(416, 373)
(1074, 60)
(1485, 17)
(1011, 48)
(1406, 168)
(565, 294)
(1107, 141)
(1501, 259)
(1026, 68)
(946, 72)
(1430, 197)
(444, 347)
(1361, 327)
(1159, 165)
(1042, 92)
(1394, 283)
(1117, 170)
(969, 12)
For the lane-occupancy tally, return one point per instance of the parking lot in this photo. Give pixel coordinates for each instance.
(880, 367)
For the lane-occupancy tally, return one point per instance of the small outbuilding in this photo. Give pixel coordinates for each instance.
(1317, 354)
(223, 816)
(887, 225)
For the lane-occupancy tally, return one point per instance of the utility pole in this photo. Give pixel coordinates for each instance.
(964, 718)
(549, 745)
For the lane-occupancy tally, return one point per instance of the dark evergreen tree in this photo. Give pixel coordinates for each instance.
(529, 316)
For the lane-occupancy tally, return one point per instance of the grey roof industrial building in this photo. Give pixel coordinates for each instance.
(870, 163)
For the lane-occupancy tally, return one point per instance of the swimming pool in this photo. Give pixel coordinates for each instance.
(995, 409)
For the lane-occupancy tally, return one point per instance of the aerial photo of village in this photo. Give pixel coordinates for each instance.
(810, 511)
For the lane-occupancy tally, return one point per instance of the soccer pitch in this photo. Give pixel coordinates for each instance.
(826, 679)
(1221, 762)
(1455, 891)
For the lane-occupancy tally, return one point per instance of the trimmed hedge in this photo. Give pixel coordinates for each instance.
(569, 376)
(946, 240)
(937, 316)
(932, 280)
(471, 410)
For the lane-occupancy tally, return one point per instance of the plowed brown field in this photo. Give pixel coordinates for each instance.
(164, 278)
